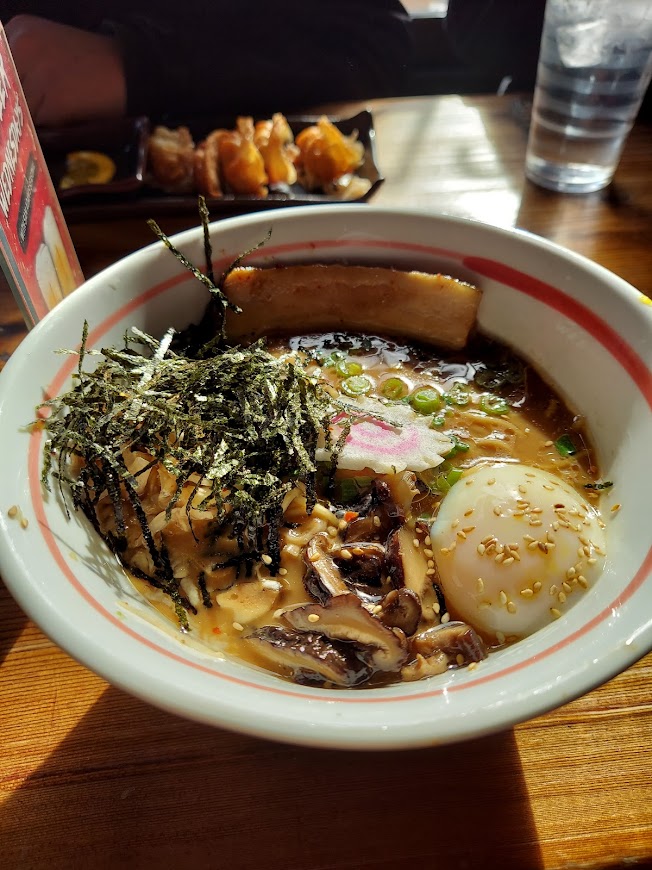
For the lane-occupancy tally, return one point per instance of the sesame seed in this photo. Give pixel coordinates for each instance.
(444, 550)
(549, 488)
(566, 586)
(377, 522)
(592, 560)
(480, 584)
(313, 617)
(536, 585)
(314, 557)
(481, 549)
(24, 522)
(581, 553)
(615, 508)
(332, 531)
(357, 551)
(266, 559)
(527, 430)
(487, 539)
(446, 618)
(452, 545)
(584, 540)
(543, 546)
(527, 593)
(571, 573)
(12, 512)
(529, 474)
(500, 637)
(484, 605)
(508, 560)
(428, 553)
(535, 523)
(561, 597)
(282, 571)
(461, 535)
(533, 545)
(555, 526)
(469, 512)
(518, 514)
(455, 524)
(536, 510)
(346, 554)
(377, 608)
(528, 538)
(491, 481)
(499, 557)
(503, 596)
(587, 551)
(459, 658)
(238, 626)
(468, 529)
(431, 563)
(468, 482)
(548, 444)
(497, 510)
(601, 524)
(553, 589)
(584, 583)
(555, 613)
(416, 542)
(436, 607)
(431, 572)
(511, 607)
(278, 613)
(472, 666)
(522, 488)
(342, 525)
(427, 541)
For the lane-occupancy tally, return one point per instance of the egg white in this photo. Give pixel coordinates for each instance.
(515, 547)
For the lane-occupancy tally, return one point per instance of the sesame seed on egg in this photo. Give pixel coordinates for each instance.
(557, 556)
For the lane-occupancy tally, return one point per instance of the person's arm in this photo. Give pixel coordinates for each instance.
(67, 74)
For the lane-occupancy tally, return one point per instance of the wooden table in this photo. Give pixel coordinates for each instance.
(90, 777)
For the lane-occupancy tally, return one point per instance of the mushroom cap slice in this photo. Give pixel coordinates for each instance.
(323, 578)
(401, 609)
(452, 638)
(406, 564)
(344, 618)
(307, 654)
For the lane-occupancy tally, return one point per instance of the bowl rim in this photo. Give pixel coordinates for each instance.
(277, 727)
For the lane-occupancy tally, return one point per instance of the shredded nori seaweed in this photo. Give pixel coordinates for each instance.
(236, 420)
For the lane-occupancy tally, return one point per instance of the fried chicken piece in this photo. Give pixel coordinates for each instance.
(241, 162)
(170, 157)
(275, 142)
(207, 165)
(325, 155)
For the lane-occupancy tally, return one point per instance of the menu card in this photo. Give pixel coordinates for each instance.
(36, 251)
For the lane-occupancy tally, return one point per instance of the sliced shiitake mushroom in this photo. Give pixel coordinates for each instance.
(306, 655)
(344, 618)
(401, 608)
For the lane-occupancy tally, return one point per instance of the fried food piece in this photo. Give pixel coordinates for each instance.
(322, 298)
(241, 162)
(325, 154)
(207, 164)
(170, 158)
(275, 142)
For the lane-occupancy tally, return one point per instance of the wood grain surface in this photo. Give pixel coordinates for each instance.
(91, 777)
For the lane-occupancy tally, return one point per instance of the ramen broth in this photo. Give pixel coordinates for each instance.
(495, 407)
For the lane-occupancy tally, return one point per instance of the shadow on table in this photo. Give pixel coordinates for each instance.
(190, 793)
(12, 622)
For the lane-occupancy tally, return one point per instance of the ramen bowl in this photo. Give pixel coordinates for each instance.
(586, 330)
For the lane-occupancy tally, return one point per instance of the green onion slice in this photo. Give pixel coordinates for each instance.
(394, 388)
(425, 400)
(565, 446)
(346, 369)
(459, 394)
(356, 385)
(495, 405)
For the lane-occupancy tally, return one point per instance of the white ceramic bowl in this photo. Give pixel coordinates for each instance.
(587, 329)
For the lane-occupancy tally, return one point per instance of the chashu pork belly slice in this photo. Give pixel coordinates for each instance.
(436, 309)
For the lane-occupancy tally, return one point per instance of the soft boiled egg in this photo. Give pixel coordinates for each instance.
(515, 546)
